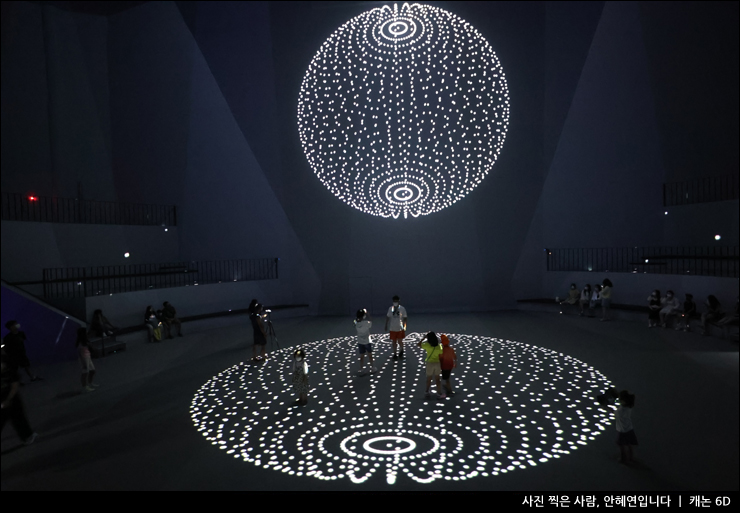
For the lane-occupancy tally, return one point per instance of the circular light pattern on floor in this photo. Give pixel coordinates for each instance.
(403, 111)
(516, 406)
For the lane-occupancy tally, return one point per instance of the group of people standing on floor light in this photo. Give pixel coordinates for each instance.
(439, 362)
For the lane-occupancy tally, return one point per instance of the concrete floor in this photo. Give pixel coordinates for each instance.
(136, 433)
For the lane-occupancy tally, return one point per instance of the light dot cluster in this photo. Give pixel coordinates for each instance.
(517, 405)
(403, 111)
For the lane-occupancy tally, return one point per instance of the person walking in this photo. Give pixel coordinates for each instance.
(430, 344)
(595, 300)
(11, 408)
(15, 349)
(260, 335)
(397, 320)
(363, 325)
(83, 353)
(300, 376)
(447, 362)
(626, 438)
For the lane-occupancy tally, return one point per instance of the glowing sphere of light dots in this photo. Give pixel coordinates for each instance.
(403, 111)
(517, 406)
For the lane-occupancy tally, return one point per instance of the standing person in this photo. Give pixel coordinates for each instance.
(730, 320)
(431, 345)
(712, 314)
(668, 307)
(88, 369)
(12, 406)
(300, 376)
(573, 296)
(448, 361)
(606, 299)
(585, 298)
(101, 326)
(626, 437)
(689, 312)
(169, 316)
(654, 306)
(397, 319)
(595, 300)
(363, 325)
(15, 349)
(260, 335)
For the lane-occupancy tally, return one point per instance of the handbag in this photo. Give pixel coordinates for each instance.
(158, 333)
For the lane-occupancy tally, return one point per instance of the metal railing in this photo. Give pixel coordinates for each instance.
(20, 207)
(702, 190)
(719, 261)
(69, 282)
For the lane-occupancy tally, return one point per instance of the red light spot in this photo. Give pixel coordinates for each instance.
(32, 198)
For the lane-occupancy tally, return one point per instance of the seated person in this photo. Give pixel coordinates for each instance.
(169, 317)
(689, 312)
(152, 323)
(585, 298)
(574, 295)
(101, 326)
(712, 314)
(595, 300)
(730, 320)
(668, 307)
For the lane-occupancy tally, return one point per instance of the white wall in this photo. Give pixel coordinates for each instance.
(128, 309)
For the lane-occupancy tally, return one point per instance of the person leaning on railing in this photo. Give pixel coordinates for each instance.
(169, 317)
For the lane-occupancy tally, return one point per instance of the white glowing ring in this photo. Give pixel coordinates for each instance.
(368, 445)
(435, 444)
(390, 29)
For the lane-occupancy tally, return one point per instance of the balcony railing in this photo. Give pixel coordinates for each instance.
(46, 209)
(67, 282)
(703, 190)
(719, 261)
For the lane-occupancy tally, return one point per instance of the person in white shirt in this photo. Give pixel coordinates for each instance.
(363, 325)
(397, 319)
(669, 307)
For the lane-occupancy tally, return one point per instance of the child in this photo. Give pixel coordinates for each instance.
(448, 361)
(362, 325)
(430, 344)
(573, 296)
(88, 369)
(300, 376)
(626, 437)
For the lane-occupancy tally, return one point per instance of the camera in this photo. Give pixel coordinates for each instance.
(609, 397)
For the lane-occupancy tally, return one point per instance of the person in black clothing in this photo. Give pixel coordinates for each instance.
(101, 326)
(169, 317)
(689, 312)
(260, 335)
(12, 407)
(15, 349)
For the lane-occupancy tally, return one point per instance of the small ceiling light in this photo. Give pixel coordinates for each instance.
(127, 254)
(717, 237)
